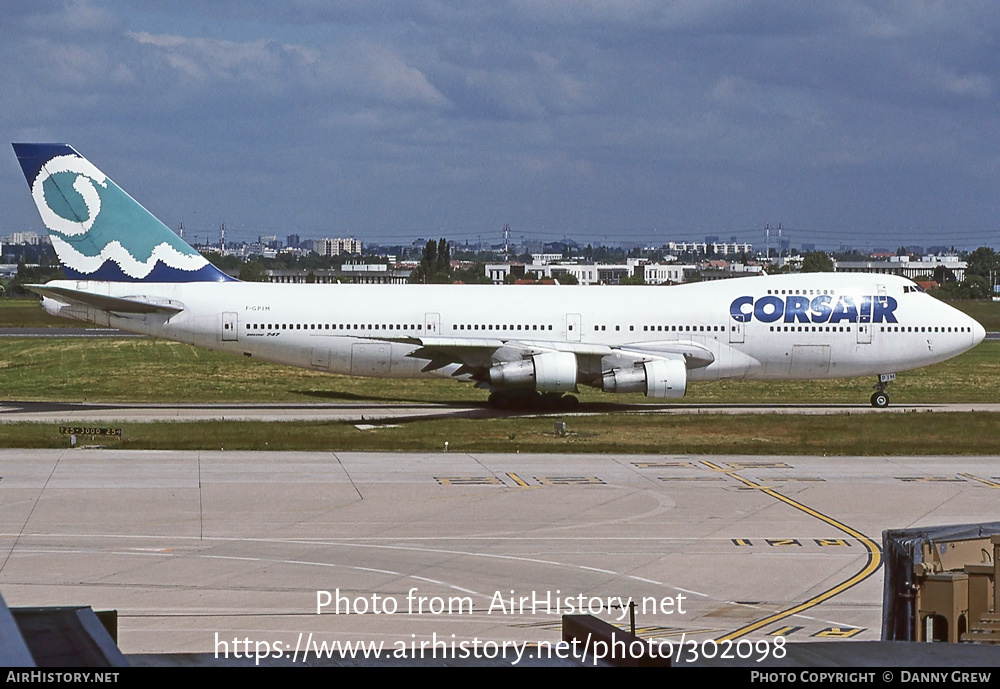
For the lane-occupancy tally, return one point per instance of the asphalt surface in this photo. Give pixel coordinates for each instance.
(371, 413)
(194, 548)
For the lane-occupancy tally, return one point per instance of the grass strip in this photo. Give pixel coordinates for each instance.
(147, 370)
(927, 433)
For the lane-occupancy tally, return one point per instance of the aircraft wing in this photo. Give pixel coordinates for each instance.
(695, 355)
(477, 355)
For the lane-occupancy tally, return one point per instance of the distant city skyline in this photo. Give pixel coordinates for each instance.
(518, 243)
(868, 124)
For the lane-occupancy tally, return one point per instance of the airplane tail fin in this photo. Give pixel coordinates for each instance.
(98, 231)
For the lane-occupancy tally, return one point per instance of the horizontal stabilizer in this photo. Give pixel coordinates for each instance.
(104, 302)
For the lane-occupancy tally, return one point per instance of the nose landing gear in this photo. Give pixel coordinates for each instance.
(880, 398)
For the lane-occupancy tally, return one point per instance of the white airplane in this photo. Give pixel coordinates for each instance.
(528, 345)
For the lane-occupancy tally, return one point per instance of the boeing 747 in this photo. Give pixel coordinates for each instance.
(527, 345)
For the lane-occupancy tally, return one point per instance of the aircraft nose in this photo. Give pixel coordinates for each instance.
(978, 333)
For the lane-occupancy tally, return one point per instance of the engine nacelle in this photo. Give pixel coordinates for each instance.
(548, 372)
(660, 378)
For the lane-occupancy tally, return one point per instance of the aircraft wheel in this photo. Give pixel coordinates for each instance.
(880, 400)
(569, 402)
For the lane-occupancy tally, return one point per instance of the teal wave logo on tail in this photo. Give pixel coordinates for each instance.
(100, 232)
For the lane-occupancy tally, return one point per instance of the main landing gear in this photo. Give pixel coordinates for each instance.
(880, 398)
(529, 400)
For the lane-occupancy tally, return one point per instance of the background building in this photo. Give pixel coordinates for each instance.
(336, 247)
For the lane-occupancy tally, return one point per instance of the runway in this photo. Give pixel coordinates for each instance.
(80, 413)
(191, 545)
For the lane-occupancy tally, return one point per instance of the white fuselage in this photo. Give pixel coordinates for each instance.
(809, 326)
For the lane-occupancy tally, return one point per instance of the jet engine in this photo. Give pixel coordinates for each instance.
(547, 372)
(658, 378)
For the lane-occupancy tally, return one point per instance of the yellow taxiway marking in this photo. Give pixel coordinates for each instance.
(518, 480)
(871, 566)
(991, 484)
(838, 632)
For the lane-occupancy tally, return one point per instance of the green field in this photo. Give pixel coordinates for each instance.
(147, 370)
(629, 433)
(143, 370)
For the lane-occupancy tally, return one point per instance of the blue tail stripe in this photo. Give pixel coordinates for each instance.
(111, 272)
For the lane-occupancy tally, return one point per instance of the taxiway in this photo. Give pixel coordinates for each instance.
(196, 547)
(80, 413)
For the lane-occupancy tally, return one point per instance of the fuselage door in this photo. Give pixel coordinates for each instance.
(866, 305)
(321, 358)
(864, 333)
(432, 324)
(573, 327)
(230, 331)
(881, 302)
(735, 331)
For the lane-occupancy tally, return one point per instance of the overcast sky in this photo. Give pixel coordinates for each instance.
(871, 123)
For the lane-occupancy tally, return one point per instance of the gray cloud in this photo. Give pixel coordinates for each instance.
(643, 118)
